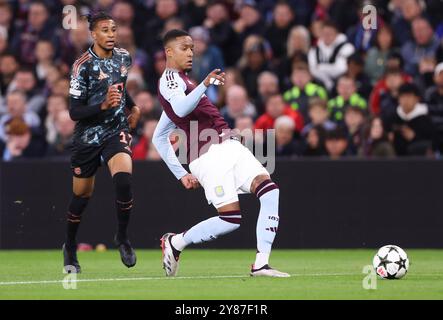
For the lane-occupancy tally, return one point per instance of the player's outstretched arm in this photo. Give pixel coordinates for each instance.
(183, 104)
(163, 145)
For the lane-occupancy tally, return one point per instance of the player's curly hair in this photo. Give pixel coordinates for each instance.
(94, 18)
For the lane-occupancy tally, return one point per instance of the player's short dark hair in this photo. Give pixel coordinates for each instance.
(94, 18)
(172, 34)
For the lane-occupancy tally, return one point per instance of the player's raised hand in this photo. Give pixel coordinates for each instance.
(190, 182)
(113, 98)
(215, 77)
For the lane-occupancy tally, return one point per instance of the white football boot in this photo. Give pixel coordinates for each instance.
(170, 261)
(267, 271)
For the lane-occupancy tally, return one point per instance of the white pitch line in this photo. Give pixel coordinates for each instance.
(13, 283)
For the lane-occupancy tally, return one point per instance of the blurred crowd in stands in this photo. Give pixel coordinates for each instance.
(308, 69)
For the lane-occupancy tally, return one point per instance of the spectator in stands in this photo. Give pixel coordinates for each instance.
(355, 119)
(16, 104)
(195, 12)
(237, 104)
(314, 143)
(303, 89)
(3, 39)
(389, 96)
(275, 108)
(375, 142)
(298, 44)
(318, 116)
(393, 64)
(24, 80)
(61, 147)
(221, 32)
(142, 150)
(412, 125)
(19, 142)
(377, 56)
(336, 143)
(277, 32)
(149, 109)
(206, 58)
(245, 126)
(6, 18)
(38, 27)
(44, 53)
(285, 146)
(424, 44)
(434, 100)
(125, 39)
(164, 9)
(344, 13)
(425, 77)
(256, 63)
(156, 70)
(356, 71)
(249, 21)
(232, 77)
(347, 96)
(267, 84)
(8, 67)
(74, 42)
(55, 105)
(402, 20)
(328, 60)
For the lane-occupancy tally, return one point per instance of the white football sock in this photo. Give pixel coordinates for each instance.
(210, 229)
(267, 225)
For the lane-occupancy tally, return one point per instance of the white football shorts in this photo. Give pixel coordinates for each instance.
(226, 170)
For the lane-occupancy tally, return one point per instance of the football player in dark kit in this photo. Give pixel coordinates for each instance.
(98, 99)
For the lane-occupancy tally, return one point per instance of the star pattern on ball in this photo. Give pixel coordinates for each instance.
(401, 263)
(384, 261)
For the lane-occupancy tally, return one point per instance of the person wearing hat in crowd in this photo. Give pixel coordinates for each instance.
(412, 126)
(434, 100)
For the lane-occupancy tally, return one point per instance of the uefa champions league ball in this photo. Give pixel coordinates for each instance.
(391, 262)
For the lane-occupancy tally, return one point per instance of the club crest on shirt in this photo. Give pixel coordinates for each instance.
(171, 84)
(219, 191)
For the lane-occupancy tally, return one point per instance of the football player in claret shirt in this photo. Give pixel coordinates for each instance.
(224, 170)
(98, 100)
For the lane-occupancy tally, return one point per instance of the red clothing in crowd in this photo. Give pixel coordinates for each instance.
(379, 88)
(265, 121)
(140, 150)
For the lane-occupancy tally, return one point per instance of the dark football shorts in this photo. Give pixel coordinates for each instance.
(85, 160)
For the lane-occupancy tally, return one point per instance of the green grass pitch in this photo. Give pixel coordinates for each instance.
(217, 274)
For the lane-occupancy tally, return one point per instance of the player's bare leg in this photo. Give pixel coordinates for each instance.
(267, 224)
(120, 167)
(82, 192)
(228, 220)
